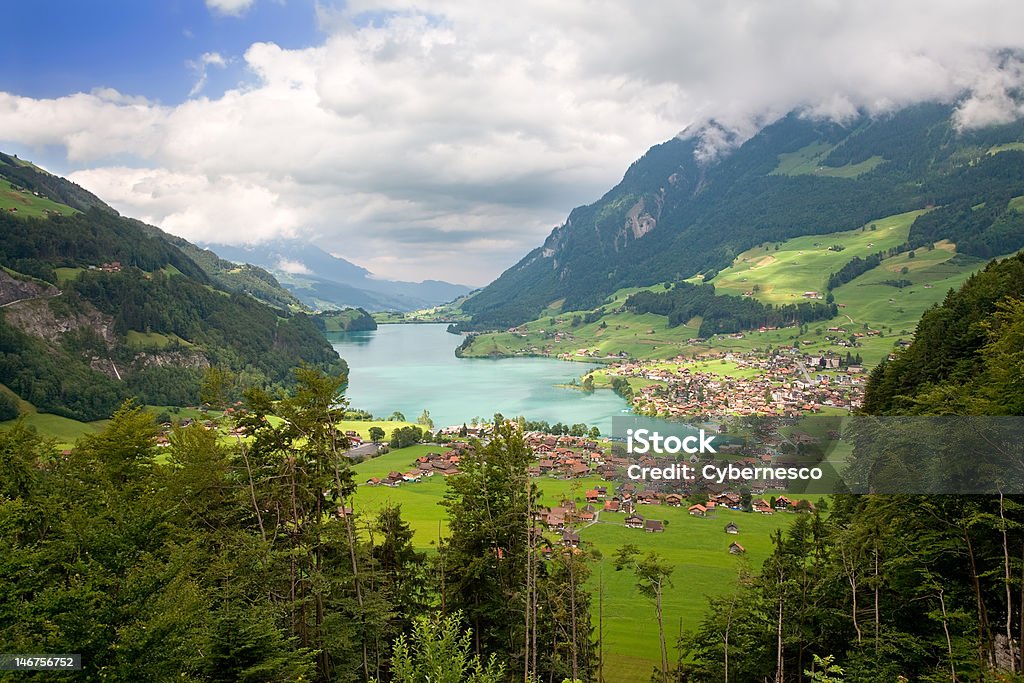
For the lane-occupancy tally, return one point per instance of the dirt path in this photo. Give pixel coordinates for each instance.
(30, 298)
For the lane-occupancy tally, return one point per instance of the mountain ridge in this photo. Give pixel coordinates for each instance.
(323, 280)
(673, 216)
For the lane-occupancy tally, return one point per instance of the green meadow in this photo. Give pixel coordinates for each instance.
(872, 299)
(697, 547)
(28, 204)
(63, 430)
(809, 161)
(803, 264)
(153, 340)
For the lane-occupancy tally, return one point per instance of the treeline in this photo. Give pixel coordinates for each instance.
(984, 228)
(853, 269)
(887, 588)
(858, 265)
(559, 429)
(244, 561)
(965, 355)
(36, 246)
(724, 314)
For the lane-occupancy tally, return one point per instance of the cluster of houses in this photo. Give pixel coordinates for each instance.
(781, 387)
(564, 457)
(445, 464)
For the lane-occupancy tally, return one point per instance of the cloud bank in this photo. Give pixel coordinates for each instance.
(439, 138)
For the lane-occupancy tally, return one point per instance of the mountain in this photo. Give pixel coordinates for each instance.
(323, 281)
(32, 191)
(95, 307)
(680, 213)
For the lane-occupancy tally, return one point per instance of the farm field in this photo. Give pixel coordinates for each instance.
(63, 430)
(698, 548)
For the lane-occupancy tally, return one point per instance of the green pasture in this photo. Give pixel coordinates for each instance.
(65, 275)
(808, 161)
(63, 430)
(152, 340)
(28, 204)
(868, 299)
(642, 336)
(803, 264)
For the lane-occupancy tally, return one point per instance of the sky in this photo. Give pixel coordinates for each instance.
(445, 138)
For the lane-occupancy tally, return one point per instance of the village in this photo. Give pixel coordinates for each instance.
(786, 383)
(618, 500)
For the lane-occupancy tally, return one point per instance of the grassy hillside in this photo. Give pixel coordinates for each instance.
(889, 298)
(780, 273)
(63, 430)
(26, 203)
(810, 160)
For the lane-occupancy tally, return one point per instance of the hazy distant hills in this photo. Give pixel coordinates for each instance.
(679, 212)
(322, 280)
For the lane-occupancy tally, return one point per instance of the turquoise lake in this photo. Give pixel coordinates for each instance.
(410, 368)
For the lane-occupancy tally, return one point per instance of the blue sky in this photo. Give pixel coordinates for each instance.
(139, 47)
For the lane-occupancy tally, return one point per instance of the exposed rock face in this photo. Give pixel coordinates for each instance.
(37, 317)
(50, 319)
(12, 289)
(178, 359)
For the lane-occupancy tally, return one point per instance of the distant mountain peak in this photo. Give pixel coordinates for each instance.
(324, 280)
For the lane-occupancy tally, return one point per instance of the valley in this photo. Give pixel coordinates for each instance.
(818, 269)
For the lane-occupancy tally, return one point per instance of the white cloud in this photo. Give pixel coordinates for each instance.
(293, 267)
(201, 66)
(232, 8)
(439, 138)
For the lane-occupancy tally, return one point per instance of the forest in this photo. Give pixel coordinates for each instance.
(243, 562)
(724, 314)
(155, 293)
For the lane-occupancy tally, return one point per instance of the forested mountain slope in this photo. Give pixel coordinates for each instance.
(95, 307)
(674, 216)
(967, 356)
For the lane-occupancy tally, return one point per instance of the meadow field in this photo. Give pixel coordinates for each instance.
(698, 548)
(27, 204)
